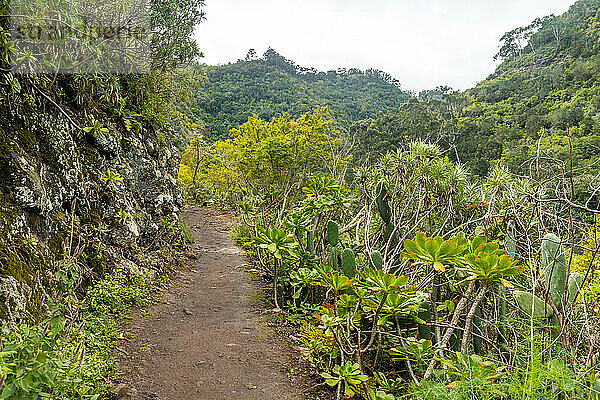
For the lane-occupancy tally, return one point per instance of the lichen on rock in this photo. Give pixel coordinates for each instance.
(13, 301)
(51, 188)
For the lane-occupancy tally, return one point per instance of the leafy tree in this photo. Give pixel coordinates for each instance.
(270, 160)
(251, 55)
(173, 23)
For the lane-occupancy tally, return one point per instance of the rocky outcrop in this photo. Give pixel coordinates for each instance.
(58, 202)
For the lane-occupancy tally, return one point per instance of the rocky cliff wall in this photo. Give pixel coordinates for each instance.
(57, 205)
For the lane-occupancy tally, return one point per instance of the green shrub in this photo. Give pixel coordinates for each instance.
(68, 356)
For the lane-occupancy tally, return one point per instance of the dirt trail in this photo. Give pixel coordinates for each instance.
(205, 340)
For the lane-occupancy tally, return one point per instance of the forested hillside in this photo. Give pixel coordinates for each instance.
(272, 85)
(544, 97)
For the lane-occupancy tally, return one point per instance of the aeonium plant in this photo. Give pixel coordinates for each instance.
(436, 251)
(279, 245)
(348, 375)
(479, 263)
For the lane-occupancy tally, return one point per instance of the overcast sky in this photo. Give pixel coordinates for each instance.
(423, 43)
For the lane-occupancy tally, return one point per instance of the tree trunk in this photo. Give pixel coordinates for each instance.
(446, 338)
(434, 311)
(470, 315)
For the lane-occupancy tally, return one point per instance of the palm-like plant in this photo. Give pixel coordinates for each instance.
(466, 367)
(95, 127)
(424, 150)
(303, 277)
(377, 281)
(401, 304)
(479, 260)
(488, 265)
(279, 245)
(321, 185)
(418, 351)
(324, 195)
(298, 223)
(111, 177)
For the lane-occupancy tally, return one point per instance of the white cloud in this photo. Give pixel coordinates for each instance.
(422, 43)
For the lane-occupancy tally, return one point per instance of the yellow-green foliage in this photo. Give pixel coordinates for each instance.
(587, 263)
(263, 158)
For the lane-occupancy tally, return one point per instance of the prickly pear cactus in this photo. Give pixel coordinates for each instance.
(333, 257)
(555, 267)
(425, 315)
(383, 205)
(574, 286)
(349, 263)
(390, 232)
(376, 260)
(310, 241)
(333, 233)
(532, 305)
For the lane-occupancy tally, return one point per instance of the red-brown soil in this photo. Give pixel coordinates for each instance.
(207, 339)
